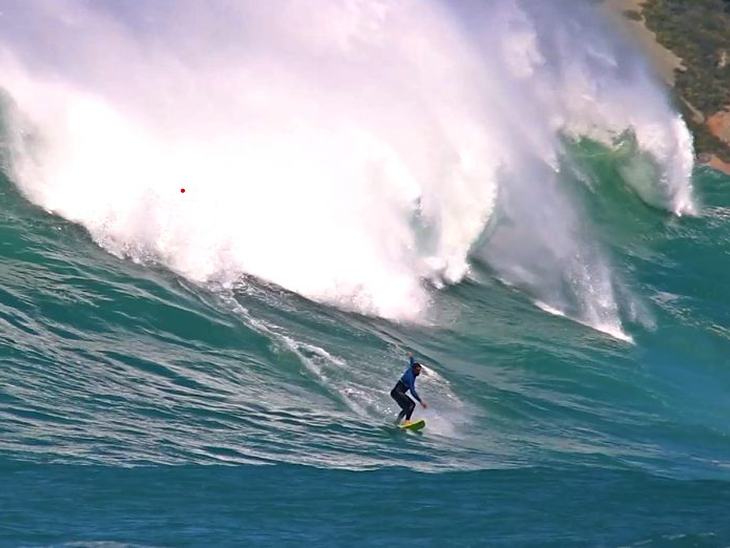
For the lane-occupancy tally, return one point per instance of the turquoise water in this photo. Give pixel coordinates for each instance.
(138, 408)
(501, 188)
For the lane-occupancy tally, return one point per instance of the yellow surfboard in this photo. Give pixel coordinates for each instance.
(413, 426)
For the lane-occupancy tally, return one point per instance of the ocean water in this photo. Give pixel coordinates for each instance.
(501, 188)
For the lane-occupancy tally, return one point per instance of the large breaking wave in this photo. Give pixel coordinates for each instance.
(360, 153)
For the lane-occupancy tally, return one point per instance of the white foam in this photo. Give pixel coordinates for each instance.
(347, 153)
(611, 329)
(549, 309)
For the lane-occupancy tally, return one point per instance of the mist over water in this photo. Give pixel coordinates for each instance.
(361, 154)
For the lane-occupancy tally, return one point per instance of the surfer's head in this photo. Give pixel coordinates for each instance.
(416, 368)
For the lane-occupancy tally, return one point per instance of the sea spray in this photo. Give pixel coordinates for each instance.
(349, 153)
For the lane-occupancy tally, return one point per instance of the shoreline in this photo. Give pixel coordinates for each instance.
(662, 60)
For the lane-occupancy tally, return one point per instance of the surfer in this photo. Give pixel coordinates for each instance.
(407, 382)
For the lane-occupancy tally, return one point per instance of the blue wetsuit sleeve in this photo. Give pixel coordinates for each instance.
(410, 379)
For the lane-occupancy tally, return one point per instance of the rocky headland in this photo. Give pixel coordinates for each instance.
(688, 44)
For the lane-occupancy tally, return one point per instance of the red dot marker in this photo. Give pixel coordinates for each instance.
(182, 190)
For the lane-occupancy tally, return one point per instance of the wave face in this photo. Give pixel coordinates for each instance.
(499, 187)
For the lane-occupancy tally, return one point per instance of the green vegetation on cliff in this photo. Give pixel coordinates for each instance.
(698, 31)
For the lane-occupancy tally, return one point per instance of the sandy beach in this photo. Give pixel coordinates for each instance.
(663, 60)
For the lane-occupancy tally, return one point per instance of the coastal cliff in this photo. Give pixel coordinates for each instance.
(688, 43)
